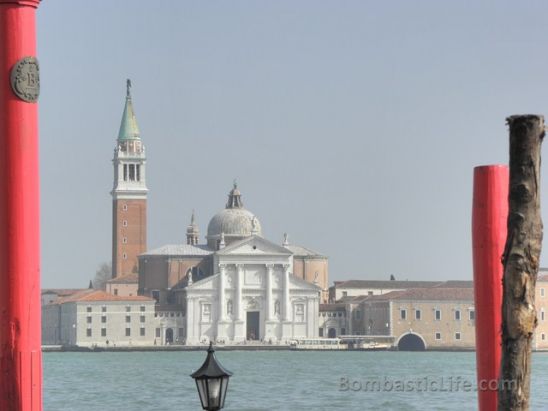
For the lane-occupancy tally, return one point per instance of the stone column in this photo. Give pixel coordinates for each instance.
(190, 321)
(222, 275)
(239, 286)
(286, 293)
(269, 270)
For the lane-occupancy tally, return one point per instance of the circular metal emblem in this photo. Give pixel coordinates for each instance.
(25, 79)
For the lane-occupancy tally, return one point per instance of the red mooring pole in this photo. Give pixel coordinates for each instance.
(20, 355)
(489, 214)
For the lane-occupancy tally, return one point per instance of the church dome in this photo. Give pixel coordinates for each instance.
(234, 222)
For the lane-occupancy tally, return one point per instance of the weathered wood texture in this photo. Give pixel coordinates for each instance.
(521, 261)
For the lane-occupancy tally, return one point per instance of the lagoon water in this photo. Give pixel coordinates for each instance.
(272, 380)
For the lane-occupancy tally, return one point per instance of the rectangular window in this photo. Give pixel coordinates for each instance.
(128, 332)
(542, 336)
(88, 309)
(103, 332)
(345, 293)
(438, 315)
(158, 332)
(472, 315)
(115, 291)
(457, 336)
(320, 332)
(299, 313)
(128, 318)
(104, 309)
(132, 172)
(457, 315)
(438, 336)
(125, 172)
(142, 308)
(542, 315)
(181, 333)
(89, 320)
(343, 331)
(142, 332)
(206, 313)
(542, 292)
(142, 318)
(128, 309)
(417, 314)
(104, 319)
(88, 332)
(403, 314)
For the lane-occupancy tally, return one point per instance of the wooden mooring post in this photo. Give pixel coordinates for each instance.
(521, 261)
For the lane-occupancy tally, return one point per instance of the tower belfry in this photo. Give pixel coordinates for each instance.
(129, 194)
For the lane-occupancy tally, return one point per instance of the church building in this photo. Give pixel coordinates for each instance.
(236, 286)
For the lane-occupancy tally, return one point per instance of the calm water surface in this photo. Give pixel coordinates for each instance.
(268, 380)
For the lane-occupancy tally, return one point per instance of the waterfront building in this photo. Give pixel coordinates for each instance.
(92, 318)
(439, 315)
(333, 320)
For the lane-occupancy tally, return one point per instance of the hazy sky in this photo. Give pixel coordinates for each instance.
(353, 126)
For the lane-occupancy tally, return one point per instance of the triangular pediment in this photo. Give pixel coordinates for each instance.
(254, 245)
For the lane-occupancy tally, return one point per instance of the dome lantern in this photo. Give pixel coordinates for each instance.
(234, 222)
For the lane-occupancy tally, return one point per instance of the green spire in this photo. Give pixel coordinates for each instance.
(128, 128)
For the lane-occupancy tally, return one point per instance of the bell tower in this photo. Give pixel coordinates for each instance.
(129, 195)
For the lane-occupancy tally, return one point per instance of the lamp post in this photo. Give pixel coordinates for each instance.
(212, 382)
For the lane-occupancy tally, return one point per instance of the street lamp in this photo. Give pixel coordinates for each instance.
(212, 382)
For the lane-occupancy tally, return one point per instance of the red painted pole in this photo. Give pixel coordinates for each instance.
(20, 353)
(489, 214)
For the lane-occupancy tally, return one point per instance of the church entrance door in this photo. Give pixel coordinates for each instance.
(169, 336)
(252, 325)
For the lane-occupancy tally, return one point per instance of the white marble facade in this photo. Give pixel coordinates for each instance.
(252, 296)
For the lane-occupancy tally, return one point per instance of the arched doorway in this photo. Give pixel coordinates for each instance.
(331, 333)
(169, 336)
(411, 342)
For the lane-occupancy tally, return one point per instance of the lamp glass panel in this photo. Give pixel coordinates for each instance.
(202, 392)
(224, 386)
(214, 385)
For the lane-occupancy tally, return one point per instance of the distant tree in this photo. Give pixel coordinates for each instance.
(392, 278)
(102, 275)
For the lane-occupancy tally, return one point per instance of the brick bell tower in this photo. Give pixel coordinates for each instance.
(129, 195)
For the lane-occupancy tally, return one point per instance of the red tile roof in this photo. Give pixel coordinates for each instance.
(99, 295)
